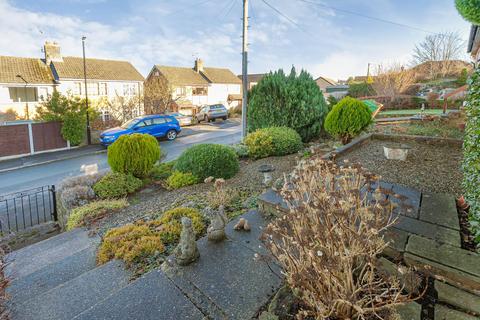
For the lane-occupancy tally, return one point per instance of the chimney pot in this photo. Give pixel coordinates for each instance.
(52, 52)
(198, 65)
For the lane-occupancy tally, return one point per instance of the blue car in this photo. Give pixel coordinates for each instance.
(158, 126)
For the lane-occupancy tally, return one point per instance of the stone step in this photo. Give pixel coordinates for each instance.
(428, 230)
(457, 297)
(397, 241)
(71, 298)
(271, 203)
(440, 209)
(410, 311)
(35, 257)
(456, 265)
(49, 277)
(444, 313)
(151, 297)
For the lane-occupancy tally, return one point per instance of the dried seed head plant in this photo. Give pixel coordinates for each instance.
(329, 241)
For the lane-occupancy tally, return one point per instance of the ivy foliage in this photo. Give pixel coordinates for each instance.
(68, 110)
(348, 118)
(471, 154)
(134, 154)
(293, 101)
(469, 9)
(208, 160)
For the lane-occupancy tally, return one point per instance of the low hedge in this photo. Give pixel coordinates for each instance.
(116, 185)
(92, 211)
(208, 160)
(179, 180)
(274, 141)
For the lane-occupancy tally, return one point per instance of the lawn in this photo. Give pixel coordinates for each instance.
(409, 112)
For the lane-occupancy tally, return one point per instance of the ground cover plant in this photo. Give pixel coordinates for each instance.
(208, 160)
(332, 235)
(134, 154)
(274, 141)
(92, 211)
(293, 101)
(162, 170)
(116, 185)
(179, 180)
(347, 119)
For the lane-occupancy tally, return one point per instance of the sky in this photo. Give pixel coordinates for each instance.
(333, 42)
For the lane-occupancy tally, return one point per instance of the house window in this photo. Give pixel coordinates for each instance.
(77, 88)
(102, 89)
(180, 91)
(92, 88)
(129, 89)
(22, 94)
(106, 116)
(199, 91)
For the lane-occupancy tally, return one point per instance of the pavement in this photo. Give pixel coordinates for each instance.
(50, 168)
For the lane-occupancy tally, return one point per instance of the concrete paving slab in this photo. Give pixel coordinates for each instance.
(407, 199)
(429, 230)
(440, 209)
(457, 297)
(444, 313)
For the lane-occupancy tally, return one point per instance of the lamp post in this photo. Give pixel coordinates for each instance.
(27, 113)
(89, 137)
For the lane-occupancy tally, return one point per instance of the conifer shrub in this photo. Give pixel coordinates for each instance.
(348, 118)
(293, 101)
(170, 224)
(275, 141)
(469, 9)
(130, 243)
(82, 215)
(162, 171)
(471, 154)
(208, 160)
(134, 154)
(179, 180)
(116, 185)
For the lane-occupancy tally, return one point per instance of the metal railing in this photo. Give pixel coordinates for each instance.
(21, 210)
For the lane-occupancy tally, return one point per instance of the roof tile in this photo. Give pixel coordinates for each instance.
(33, 70)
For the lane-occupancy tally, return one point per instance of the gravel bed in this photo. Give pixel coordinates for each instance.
(154, 200)
(429, 167)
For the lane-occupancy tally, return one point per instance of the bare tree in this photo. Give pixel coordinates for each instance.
(393, 80)
(121, 108)
(442, 48)
(158, 94)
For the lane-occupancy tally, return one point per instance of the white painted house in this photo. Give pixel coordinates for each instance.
(199, 85)
(29, 81)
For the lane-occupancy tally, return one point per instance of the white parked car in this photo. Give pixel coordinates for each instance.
(183, 119)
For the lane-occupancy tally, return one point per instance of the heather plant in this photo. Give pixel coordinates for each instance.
(274, 141)
(179, 180)
(293, 101)
(84, 180)
(92, 211)
(348, 118)
(471, 154)
(329, 241)
(116, 185)
(134, 154)
(77, 196)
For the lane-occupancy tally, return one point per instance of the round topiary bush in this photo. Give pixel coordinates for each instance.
(275, 141)
(208, 160)
(116, 185)
(469, 9)
(293, 101)
(348, 118)
(134, 154)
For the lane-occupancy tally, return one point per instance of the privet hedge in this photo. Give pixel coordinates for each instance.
(469, 9)
(471, 150)
(293, 101)
(348, 118)
(134, 154)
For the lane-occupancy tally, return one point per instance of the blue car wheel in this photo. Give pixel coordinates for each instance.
(171, 135)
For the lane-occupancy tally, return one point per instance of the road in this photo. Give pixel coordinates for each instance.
(53, 173)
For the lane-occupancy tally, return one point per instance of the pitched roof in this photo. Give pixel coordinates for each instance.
(97, 69)
(327, 81)
(181, 76)
(254, 77)
(31, 69)
(220, 75)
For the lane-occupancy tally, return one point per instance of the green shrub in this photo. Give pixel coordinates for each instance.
(130, 243)
(348, 118)
(275, 141)
(293, 101)
(241, 150)
(179, 180)
(170, 226)
(134, 154)
(471, 154)
(208, 160)
(92, 211)
(469, 9)
(361, 89)
(116, 185)
(162, 171)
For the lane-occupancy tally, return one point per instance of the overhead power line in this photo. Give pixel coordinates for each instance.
(366, 16)
(280, 13)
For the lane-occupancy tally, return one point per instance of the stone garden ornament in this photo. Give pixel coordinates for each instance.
(216, 230)
(187, 251)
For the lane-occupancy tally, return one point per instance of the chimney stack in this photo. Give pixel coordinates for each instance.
(52, 52)
(198, 65)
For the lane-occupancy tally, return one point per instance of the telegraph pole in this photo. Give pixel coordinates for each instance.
(245, 68)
